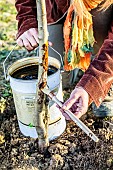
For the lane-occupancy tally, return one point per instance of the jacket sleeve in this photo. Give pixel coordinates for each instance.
(99, 76)
(26, 15)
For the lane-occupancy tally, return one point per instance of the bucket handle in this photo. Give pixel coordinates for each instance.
(58, 54)
(4, 66)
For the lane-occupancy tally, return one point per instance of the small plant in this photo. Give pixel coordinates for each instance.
(7, 90)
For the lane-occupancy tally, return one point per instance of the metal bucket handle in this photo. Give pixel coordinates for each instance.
(4, 66)
(58, 54)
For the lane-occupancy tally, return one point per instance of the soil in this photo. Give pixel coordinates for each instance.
(73, 150)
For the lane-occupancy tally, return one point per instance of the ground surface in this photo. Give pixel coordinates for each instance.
(73, 150)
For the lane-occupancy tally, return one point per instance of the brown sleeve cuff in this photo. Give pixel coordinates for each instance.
(26, 25)
(93, 88)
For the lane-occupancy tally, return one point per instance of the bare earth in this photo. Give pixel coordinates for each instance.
(73, 150)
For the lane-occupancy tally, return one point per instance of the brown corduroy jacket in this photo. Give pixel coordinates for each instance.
(99, 76)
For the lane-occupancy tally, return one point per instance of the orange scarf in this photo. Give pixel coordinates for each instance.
(78, 34)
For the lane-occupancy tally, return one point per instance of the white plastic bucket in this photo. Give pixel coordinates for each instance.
(24, 96)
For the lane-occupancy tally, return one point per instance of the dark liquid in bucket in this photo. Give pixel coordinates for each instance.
(31, 72)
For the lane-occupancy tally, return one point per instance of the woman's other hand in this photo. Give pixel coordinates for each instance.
(77, 103)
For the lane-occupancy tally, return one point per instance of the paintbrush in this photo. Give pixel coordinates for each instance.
(71, 115)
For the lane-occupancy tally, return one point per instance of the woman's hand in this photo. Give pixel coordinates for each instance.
(29, 39)
(77, 103)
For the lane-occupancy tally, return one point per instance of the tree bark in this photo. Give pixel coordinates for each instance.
(41, 101)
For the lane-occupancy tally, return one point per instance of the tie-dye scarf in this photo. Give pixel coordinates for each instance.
(78, 33)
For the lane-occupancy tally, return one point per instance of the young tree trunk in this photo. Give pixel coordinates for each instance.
(41, 101)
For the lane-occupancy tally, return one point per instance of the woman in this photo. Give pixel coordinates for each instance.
(97, 79)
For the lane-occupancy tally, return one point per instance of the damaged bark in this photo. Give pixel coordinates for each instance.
(41, 101)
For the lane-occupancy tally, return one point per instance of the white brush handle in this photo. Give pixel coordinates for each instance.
(75, 119)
